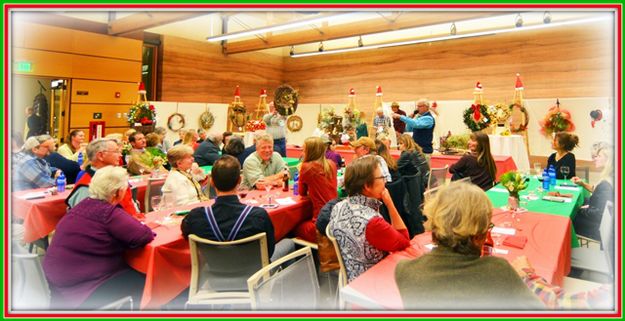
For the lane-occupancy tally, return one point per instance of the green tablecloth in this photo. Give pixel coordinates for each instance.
(499, 197)
(292, 163)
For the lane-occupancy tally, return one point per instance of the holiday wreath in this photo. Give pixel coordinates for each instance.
(475, 117)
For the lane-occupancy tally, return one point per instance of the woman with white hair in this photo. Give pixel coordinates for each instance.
(588, 217)
(84, 264)
(183, 181)
(453, 275)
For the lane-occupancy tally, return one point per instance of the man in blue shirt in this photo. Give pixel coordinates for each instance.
(30, 170)
(422, 127)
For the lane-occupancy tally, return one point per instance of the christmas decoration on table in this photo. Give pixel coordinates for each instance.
(556, 120)
(262, 107)
(206, 120)
(285, 100)
(142, 115)
(153, 156)
(351, 117)
(519, 117)
(254, 125)
(476, 117)
(514, 182)
(237, 111)
(596, 115)
(326, 118)
(499, 114)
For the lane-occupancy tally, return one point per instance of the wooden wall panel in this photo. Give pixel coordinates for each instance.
(50, 38)
(82, 114)
(65, 65)
(104, 91)
(198, 72)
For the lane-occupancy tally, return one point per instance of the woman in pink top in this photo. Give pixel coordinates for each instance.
(317, 179)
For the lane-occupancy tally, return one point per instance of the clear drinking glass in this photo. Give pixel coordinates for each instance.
(538, 168)
(268, 187)
(155, 202)
(565, 170)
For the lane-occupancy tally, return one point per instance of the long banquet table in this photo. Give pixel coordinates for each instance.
(41, 215)
(547, 248)
(166, 261)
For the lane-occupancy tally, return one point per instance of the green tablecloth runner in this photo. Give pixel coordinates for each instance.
(499, 197)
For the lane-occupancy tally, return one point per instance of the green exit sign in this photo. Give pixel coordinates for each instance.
(23, 66)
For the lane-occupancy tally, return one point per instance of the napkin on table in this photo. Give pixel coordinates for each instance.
(517, 241)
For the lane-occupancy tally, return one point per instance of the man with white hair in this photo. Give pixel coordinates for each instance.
(276, 128)
(30, 169)
(381, 122)
(264, 166)
(100, 152)
(208, 151)
(422, 127)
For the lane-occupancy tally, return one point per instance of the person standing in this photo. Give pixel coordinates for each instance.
(422, 127)
(275, 127)
(399, 125)
(381, 122)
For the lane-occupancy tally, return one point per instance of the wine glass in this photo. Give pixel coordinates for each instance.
(538, 169)
(268, 187)
(565, 170)
(242, 191)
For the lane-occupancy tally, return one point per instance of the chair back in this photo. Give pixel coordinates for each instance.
(30, 288)
(295, 286)
(407, 197)
(437, 177)
(153, 189)
(583, 172)
(466, 179)
(606, 230)
(342, 272)
(225, 266)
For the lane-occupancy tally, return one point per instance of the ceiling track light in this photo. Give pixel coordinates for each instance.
(360, 44)
(518, 21)
(292, 52)
(321, 46)
(452, 30)
(448, 37)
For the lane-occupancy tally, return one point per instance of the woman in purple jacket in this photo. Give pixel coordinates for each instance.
(84, 264)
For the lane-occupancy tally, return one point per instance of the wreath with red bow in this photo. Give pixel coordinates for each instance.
(476, 117)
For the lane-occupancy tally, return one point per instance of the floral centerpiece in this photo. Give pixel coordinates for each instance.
(142, 113)
(254, 125)
(154, 156)
(514, 182)
(326, 118)
(556, 120)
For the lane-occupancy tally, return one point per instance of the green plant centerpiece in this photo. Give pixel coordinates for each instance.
(514, 182)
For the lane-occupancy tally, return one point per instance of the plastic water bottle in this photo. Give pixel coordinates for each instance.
(545, 180)
(295, 184)
(552, 175)
(80, 159)
(60, 183)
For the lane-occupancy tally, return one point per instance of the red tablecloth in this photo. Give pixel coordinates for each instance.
(548, 249)
(166, 261)
(41, 215)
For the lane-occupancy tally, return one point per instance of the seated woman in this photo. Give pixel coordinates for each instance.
(563, 143)
(412, 161)
(363, 236)
(190, 139)
(234, 147)
(588, 217)
(317, 179)
(477, 164)
(75, 146)
(453, 275)
(383, 151)
(85, 265)
(331, 153)
(184, 177)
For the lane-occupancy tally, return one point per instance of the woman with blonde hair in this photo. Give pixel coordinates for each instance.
(183, 181)
(317, 179)
(478, 164)
(453, 275)
(412, 161)
(190, 139)
(588, 217)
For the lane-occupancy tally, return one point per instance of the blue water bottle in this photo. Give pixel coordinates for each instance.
(545, 180)
(60, 183)
(80, 159)
(295, 184)
(552, 175)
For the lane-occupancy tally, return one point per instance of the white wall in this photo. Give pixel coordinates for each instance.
(449, 119)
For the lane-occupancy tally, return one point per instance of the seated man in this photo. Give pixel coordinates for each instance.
(100, 152)
(366, 146)
(264, 166)
(30, 170)
(141, 162)
(225, 178)
(208, 151)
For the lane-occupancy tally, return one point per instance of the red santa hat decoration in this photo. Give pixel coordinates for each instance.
(263, 92)
(352, 92)
(378, 91)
